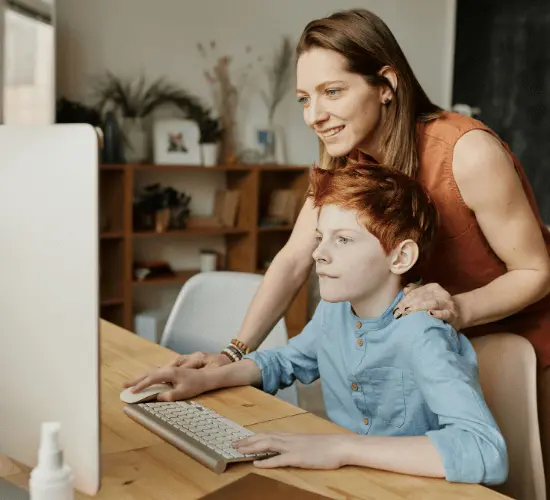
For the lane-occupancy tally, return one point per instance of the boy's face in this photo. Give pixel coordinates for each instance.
(350, 262)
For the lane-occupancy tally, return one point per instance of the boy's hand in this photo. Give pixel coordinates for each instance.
(187, 382)
(306, 451)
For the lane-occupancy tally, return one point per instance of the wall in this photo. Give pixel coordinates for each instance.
(158, 38)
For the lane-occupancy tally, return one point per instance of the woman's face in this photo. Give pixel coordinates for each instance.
(340, 107)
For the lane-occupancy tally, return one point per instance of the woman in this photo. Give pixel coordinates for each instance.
(490, 271)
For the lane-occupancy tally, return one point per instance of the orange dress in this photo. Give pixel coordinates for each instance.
(462, 258)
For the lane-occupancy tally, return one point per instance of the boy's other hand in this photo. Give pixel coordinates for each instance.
(306, 451)
(199, 360)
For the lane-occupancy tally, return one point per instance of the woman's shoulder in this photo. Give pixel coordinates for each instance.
(449, 127)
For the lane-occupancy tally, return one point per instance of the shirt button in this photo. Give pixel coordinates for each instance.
(358, 324)
(360, 342)
(366, 420)
(354, 386)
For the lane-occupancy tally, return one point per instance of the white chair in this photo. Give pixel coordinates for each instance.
(209, 311)
(508, 377)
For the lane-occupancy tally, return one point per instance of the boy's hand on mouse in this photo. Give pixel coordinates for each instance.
(186, 382)
(306, 451)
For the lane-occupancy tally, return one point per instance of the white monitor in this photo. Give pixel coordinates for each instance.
(49, 294)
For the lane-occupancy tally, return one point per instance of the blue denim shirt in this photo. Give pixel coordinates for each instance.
(413, 376)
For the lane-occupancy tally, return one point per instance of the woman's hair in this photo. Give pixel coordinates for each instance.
(391, 205)
(368, 46)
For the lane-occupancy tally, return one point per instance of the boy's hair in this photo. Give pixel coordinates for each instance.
(391, 205)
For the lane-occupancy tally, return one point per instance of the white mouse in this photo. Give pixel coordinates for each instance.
(148, 394)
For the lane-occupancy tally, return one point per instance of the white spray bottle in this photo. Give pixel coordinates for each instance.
(51, 479)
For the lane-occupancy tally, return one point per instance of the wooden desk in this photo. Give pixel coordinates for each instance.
(138, 465)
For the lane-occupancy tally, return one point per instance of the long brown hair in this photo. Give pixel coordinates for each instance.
(368, 45)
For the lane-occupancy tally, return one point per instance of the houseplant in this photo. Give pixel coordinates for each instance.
(161, 208)
(211, 133)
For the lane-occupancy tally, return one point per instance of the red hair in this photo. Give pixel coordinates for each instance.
(391, 205)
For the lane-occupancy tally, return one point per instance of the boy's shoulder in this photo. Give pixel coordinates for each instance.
(420, 328)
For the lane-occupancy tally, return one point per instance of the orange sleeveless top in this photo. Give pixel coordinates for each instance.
(462, 259)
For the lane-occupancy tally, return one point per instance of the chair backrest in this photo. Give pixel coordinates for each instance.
(209, 311)
(508, 377)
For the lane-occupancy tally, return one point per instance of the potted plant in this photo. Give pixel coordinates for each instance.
(211, 133)
(135, 100)
(161, 208)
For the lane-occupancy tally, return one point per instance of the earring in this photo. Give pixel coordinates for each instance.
(387, 101)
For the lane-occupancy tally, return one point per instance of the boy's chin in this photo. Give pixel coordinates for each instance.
(332, 296)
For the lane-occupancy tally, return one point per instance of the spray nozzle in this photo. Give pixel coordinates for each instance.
(50, 455)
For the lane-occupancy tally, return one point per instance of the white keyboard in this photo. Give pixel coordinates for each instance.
(196, 430)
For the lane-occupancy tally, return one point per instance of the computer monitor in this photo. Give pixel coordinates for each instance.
(49, 294)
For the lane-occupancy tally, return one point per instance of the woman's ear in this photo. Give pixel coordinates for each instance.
(391, 76)
(404, 257)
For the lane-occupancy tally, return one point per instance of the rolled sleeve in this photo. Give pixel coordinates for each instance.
(469, 441)
(280, 367)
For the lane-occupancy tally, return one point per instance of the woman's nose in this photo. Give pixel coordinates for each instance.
(315, 114)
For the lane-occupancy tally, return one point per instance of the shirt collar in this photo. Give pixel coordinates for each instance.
(363, 325)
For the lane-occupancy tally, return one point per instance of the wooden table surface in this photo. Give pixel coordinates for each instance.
(136, 464)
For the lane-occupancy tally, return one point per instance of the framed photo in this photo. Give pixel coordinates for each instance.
(176, 142)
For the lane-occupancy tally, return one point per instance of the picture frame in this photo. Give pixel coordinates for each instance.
(176, 142)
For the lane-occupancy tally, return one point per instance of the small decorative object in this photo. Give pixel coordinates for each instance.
(282, 208)
(176, 142)
(279, 75)
(148, 270)
(208, 261)
(160, 209)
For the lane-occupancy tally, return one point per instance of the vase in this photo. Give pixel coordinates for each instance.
(136, 144)
(162, 220)
(271, 142)
(209, 152)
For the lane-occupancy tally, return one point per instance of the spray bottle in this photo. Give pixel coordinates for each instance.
(51, 479)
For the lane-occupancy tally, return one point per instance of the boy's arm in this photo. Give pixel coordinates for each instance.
(469, 442)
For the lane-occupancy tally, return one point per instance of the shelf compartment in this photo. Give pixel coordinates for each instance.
(179, 278)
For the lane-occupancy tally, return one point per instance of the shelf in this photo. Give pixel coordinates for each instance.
(205, 231)
(187, 168)
(111, 302)
(271, 229)
(111, 235)
(180, 277)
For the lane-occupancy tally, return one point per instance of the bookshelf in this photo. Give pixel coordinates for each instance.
(248, 245)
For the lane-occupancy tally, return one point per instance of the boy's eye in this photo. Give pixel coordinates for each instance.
(318, 239)
(343, 240)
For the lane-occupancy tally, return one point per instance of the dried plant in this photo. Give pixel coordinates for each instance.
(278, 75)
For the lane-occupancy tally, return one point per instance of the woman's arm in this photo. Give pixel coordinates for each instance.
(491, 188)
(286, 274)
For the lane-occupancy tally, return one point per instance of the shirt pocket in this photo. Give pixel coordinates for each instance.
(384, 393)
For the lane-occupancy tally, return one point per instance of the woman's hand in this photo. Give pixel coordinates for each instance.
(187, 382)
(199, 360)
(432, 298)
(306, 451)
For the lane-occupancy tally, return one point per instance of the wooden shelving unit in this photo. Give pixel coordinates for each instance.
(248, 245)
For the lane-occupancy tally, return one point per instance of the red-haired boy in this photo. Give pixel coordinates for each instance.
(407, 387)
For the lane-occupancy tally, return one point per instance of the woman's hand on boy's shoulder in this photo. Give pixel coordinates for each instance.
(432, 298)
(306, 451)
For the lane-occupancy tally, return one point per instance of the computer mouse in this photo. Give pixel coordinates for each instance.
(148, 394)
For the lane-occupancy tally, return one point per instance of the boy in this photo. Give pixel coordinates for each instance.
(407, 387)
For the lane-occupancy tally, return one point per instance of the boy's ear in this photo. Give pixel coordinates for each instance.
(404, 257)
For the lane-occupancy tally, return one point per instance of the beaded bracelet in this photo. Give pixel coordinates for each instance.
(236, 351)
(243, 347)
(230, 354)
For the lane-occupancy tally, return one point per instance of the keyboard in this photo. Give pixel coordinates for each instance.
(198, 431)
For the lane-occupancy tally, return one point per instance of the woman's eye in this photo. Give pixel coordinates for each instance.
(303, 100)
(333, 92)
(318, 239)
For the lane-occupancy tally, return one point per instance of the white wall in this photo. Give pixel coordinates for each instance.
(159, 37)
